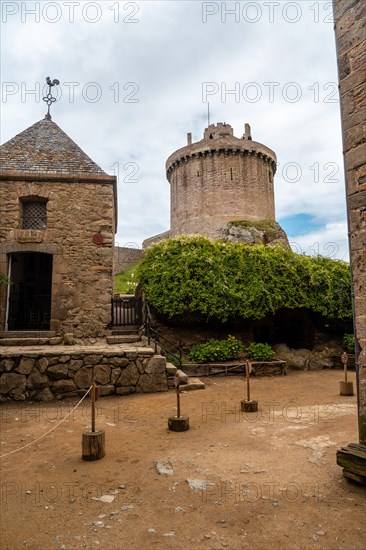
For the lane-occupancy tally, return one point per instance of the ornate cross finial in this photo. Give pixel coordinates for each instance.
(48, 98)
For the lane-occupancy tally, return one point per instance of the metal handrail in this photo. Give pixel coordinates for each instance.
(156, 336)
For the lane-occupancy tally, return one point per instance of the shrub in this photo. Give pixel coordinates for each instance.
(349, 343)
(216, 350)
(220, 280)
(260, 352)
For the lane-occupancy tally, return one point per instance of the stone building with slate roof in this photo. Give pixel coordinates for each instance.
(58, 218)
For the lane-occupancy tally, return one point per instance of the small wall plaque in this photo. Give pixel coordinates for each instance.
(97, 239)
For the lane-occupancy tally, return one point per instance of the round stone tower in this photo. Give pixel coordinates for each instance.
(218, 180)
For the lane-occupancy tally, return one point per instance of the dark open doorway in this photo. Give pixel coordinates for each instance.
(30, 291)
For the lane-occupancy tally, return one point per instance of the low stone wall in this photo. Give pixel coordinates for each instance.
(46, 375)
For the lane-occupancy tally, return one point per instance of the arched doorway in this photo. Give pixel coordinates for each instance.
(29, 299)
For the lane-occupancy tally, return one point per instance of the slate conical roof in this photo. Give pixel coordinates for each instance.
(44, 147)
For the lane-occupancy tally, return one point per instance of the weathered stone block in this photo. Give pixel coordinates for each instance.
(183, 378)
(42, 364)
(125, 390)
(84, 377)
(119, 361)
(171, 369)
(37, 380)
(102, 374)
(55, 341)
(26, 365)
(75, 364)
(156, 365)
(140, 366)
(129, 376)
(6, 365)
(64, 358)
(63, 386)
(131, 355)
(57, 372)
(43, 395)
(115, 375)
(148, 383)
(12, 383)
(69, 339)
(53, 361)
(92, 359)
(106, 390)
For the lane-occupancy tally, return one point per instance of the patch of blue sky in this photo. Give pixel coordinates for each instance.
(299, 224)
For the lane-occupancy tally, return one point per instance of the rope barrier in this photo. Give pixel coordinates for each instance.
(49, 431)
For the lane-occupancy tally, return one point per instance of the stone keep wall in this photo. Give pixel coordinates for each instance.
(218, 180)
(82, 283)
(125, 257)
(350, 28)
(44, 376)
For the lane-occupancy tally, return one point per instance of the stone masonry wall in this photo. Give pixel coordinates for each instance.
(125, 257)
(82, 283)
(350, 28)
(43, 376)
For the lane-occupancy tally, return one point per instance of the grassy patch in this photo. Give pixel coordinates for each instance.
(126, 281)
(262, 225)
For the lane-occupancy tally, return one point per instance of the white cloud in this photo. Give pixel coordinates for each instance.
(169, 53)
(330, 241)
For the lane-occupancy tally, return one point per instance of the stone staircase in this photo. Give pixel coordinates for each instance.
(124, 335)
(130, 335)
(187, 383)
(117, 336)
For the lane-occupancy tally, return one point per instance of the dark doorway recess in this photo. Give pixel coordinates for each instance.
(30, 291)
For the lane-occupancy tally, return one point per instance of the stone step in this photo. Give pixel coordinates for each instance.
(130, 329)
(24, 341)
(171, 369)
(123, 339)
(183, 378)
(27, 334)
(192, 384)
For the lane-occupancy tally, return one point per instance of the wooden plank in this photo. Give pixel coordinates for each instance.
(353, 460)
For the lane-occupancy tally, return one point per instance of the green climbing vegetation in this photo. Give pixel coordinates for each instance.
(349, 343)
(221, 280)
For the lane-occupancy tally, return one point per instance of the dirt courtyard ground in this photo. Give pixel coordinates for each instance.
(266, 480)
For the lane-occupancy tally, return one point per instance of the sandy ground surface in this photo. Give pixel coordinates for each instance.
(266, 480)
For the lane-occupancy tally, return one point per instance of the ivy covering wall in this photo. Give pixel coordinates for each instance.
(224, 280)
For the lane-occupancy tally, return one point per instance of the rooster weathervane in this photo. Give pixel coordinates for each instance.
(49, 99)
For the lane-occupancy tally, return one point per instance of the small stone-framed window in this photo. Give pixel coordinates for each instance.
(34, 213)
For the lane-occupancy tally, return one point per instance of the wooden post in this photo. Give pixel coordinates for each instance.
(345, 387)
(247, 372)
(93, 442)
(93, 392)
(178, 423)
(178, 400)
(248, 405)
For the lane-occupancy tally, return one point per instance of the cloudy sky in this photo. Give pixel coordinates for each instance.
(135, 77)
